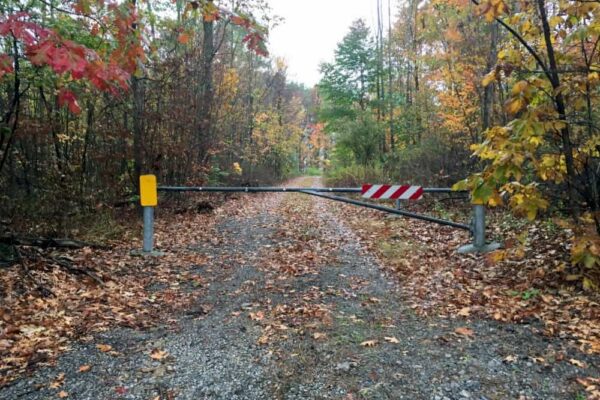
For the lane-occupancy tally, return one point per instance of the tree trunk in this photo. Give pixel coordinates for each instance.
(390, 78)
(488, 93)
(206, 91)
(561, 110)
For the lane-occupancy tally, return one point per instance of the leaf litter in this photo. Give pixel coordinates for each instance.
(299, 252)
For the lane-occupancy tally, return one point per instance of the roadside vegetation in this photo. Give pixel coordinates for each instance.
(496, 98)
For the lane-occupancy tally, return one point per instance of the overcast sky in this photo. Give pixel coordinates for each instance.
(311, 30)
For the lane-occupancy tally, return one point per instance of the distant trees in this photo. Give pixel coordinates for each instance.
(347, 86)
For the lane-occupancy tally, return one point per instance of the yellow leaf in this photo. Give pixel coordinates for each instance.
(520, 87)
(488, 79)
(514, 106)
(237, 169)
(555, 20)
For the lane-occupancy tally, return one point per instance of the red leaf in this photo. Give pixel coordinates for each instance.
(68, 97)
(42, 53)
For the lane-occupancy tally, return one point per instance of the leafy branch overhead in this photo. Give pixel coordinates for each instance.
(110, 68)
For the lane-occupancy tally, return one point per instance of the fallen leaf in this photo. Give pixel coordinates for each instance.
(157, 354)
(257, 316)
(577, 363)
(264, 339)
(391, 339)
(58, 381)
(84, 368)
(465, 312)
(62, 394)
(104, 347)
(319, 335)
(369, 343)
(464, 331)
(510, 359)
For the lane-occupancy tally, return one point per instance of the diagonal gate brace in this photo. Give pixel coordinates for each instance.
(390, 210)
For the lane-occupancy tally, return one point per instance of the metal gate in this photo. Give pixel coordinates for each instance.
(149, 199)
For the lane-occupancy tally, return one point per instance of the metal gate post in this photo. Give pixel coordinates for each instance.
(148, 201)
(479, 244)
(148, 229)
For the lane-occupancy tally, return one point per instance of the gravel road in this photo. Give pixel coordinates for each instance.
(309, 316)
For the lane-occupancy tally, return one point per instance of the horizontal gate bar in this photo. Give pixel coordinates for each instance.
(391, 210)
(261, 189)
(250, 189)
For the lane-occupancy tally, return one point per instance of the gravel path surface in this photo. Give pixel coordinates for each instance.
(320, 333)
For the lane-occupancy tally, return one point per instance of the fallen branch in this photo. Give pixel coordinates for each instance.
(68, 265)
(49, 242)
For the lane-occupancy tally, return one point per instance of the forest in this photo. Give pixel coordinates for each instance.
(481, 96)
(497, 98)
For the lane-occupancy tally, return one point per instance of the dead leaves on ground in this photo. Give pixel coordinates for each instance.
(592, 387)
(299, 249)
(525, 281)
(44, 306)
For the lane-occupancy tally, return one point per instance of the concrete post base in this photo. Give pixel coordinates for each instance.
(487, 248)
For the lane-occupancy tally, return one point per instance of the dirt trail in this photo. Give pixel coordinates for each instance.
(294, 308)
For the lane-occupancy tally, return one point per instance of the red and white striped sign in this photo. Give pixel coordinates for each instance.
(402, 192)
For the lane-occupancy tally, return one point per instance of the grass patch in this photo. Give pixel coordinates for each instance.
(313, 171)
